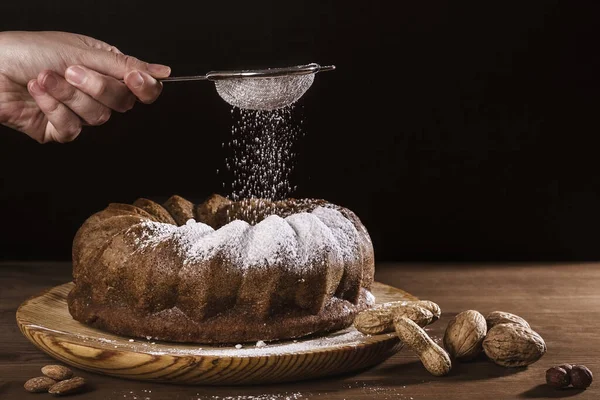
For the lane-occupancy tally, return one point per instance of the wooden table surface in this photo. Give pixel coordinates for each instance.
(560, 301)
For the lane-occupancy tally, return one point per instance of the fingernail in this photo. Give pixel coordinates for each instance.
(158, 69)
(75, 75)
(49, 82)
(35, 88)
(135, 79)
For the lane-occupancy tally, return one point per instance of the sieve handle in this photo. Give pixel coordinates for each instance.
(259, 73)
(180, 78)
(184, 78)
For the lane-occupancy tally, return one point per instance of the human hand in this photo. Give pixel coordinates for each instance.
(54, 83)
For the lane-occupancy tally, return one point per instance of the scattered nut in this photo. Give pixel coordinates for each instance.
(58, 380)
(558, 377)
(68, 386)
(57, 372)
(39, 384)
(434, 358)
(500, 317)
(381, 319)
(513, 345)
(426, 304)
(581, 376)
(432, 307)
(464, 335)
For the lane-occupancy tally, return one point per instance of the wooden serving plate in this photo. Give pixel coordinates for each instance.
(46, 322)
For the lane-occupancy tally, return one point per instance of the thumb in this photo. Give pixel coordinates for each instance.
(118, 65)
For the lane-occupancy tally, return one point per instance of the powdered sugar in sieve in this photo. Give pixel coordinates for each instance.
(260, 89)
(264, 93)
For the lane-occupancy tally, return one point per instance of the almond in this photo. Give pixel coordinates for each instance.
(57, 372)
(67, 387)
(39, 384)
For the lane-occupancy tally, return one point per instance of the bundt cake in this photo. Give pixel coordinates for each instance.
(221, 271)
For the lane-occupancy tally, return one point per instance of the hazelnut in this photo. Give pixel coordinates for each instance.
(581, 376)
(557, 377)
(566, 367)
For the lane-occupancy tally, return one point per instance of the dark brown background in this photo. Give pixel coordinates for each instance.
(455, 130)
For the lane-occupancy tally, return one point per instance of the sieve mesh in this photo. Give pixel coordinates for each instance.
(264, 93)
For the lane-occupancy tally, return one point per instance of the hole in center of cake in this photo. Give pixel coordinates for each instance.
(218, 211)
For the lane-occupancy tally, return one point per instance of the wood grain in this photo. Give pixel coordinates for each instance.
(560, 300)
(46, 322)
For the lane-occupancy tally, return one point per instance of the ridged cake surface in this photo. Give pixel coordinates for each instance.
(221, 271)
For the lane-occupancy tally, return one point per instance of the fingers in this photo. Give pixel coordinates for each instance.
(118, 65)
(111, 92)
(98, 44)
(86, 96)
(63, 125)
(88, 109)
(145, 87)
(139, 76)
(105, 89)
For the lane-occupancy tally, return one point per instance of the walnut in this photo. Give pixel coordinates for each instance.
(501, 317)
(513, 345)
(464, 335)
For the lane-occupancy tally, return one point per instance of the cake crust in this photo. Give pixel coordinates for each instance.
(215, 273)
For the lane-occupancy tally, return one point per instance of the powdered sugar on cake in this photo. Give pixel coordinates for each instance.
(227, 241)
(343, 230)
(149, 234)
(271, 242)
(293, 242)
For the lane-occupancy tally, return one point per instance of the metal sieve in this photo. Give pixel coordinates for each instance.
(260, 89)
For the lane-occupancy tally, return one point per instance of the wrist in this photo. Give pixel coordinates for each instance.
(5, 34)
(5, 38)
(8, 44)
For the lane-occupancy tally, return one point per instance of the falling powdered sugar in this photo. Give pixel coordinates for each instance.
(261, 158)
